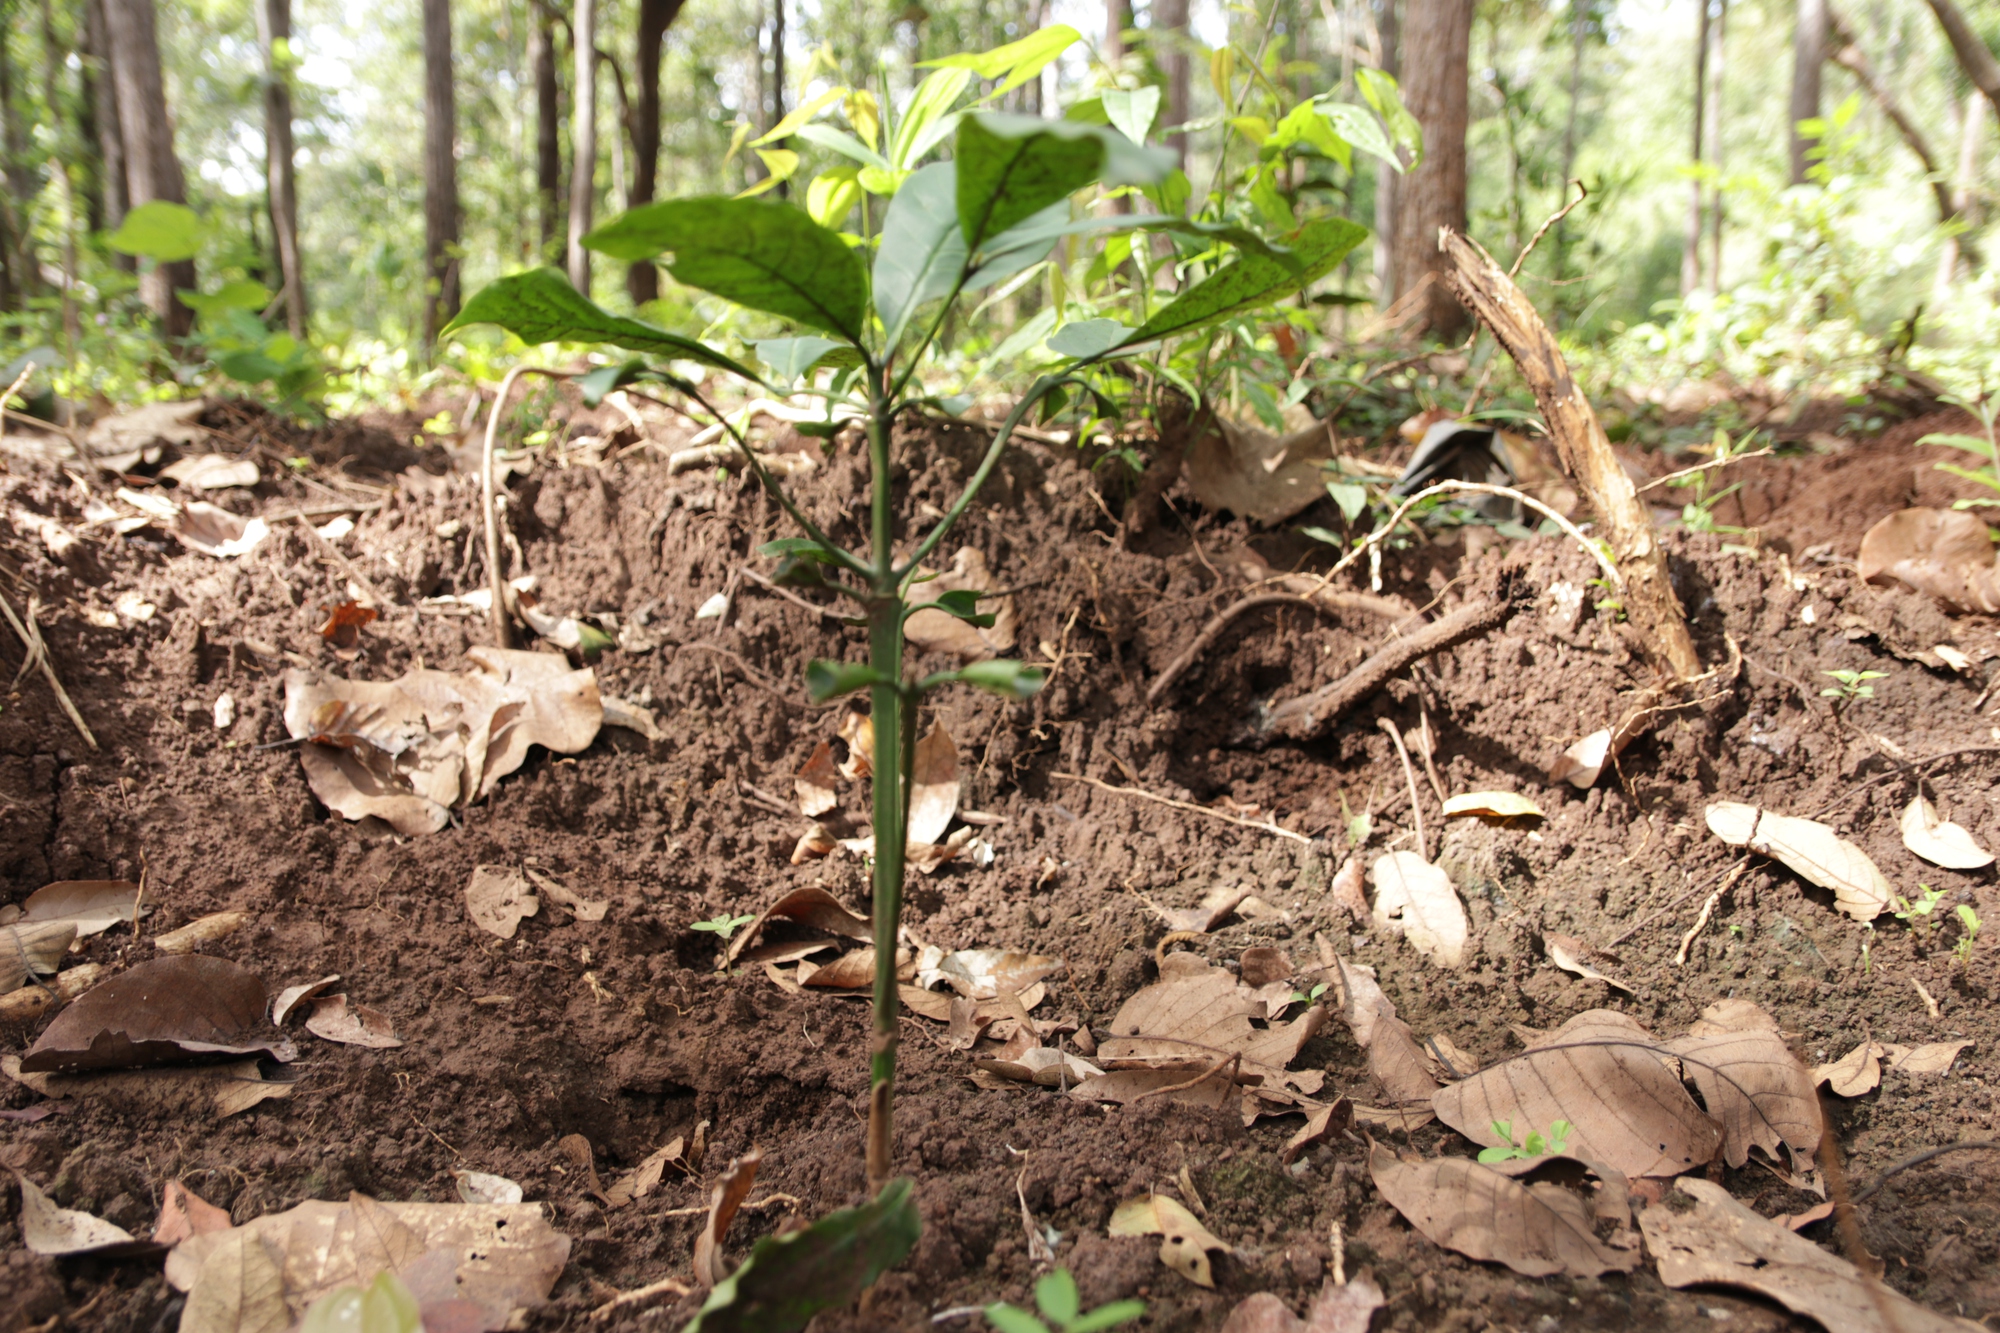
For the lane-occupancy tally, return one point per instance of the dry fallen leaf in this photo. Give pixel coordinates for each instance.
(1855, 1074)
(1934, 1058)
(1250, 472)
(225, 1090)
(1263, 965)
(1322, 1123)
(943, 632)
(292, 996)
(1583, 763)
(1946, 553)
(1570, 954)
(555, 891)
(1345, 1308)
(184, 1213)
(1537, 1230)
(497, 897)
(1811, 849)
(1348, 888)
(982, 974)
(1939, 841)
(1184, 1243)
(482, 1187)
(644, 1178)
(47, 1229)
(933, 786)
(1415, 899)
(1720, 1241)
(210, 472)
(1396, 1062)
(242, 1289)
(159, 1012)
(814, 909)
(91, 905)
(1752, 1083)
(203, 527)
(858, 731)
(723, 1202)
(32, 949)
(1216, 904)
(336, 1019)
(1492, 805)
(1197, 1016)
(816, 781)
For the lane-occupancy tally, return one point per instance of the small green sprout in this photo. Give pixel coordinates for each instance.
(1851, 685)
(1302, 997)
(726, 925)
(1056, 1297)
(1867, 956)
(1536, 1146)
(1922, 909)
(1969, 919)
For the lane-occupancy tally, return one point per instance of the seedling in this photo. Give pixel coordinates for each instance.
(1303, 997)
(1986, 408)
(1969, 921)
(1867, 954)
(1851, 685)
(1056, 1297)
(1920, 910)
(1536, 1145)
(725, 925)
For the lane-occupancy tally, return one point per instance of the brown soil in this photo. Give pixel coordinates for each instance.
(624, 1032)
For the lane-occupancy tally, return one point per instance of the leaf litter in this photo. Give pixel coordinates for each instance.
(1811, 850)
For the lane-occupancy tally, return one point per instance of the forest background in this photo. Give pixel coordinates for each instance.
(1777, 193)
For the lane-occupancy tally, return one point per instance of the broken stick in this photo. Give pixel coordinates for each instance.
(1486, 290)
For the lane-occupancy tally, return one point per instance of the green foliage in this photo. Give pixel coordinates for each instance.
(540, 306)
(725, 925)
(789, 1279)
(1254, 280)
(384, 1306)
(1535, 1146)
(1911, 913)
(1968, 922)
(160, 231)
(1986, 443)
(1057, 1299)
(1851, 685)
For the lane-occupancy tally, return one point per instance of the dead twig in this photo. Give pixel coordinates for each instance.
(1553, 219)
(500, 612)
(666, 1286)
(1233, 1063)
(1733, 874)
(1213, 631)
(1874, 1187)
(1595, 549)
(38, 653)
(1271, 827)
(1410, 776)
(768, 586)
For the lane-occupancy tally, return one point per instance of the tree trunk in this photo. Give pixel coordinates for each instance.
(1437, 51)
(16, 276)
(1170, 20)
(1808, 55)
(583, 140)
(152, 171)
(1117, 18)
(1387, 179)
(1691, 248)
(642, 280)
(110, 134)
(1971, 121)
(1847, 54)
(274, 25)
(440, 173)
(1973, 57)
(54, 54)
(1579, 31)
(1720, 33)
(548, 128)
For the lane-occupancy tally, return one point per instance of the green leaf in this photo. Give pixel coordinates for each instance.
(960, 602)
(1305, 124)
(1107, 1316)
(604, 379)
(840, 141)
(829, 680)
(1009, 1320)
(1977, 444)
(1253, 280)
(249, 367)
(1055, 1296)
(833, 195)
(762, 253)
(1088, 337)
(1132, 111)
(1012, 167)
(923, 252)
(1351, 496)
(159, 230)
(1017, 61)
(1026, 244)
(788, 1279)
(803, 548)
(799, 118)
(1357, 127)
(1381, 93)
(1000, 676)
(791, 358)
(540, 306)
(1271, 202)
(236, 294)
(924, 120)
(384, 1306)
(1088, 111)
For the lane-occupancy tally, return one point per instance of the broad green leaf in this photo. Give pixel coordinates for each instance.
(1088, 111)
(1270, 202)
(1025, 338)
(840, 141)
(1310, 124)
(384, 1306)
(1357, 127)
(999, 676)
(236, 294)
(1007, 1319)
(782, 163)
(1026, 244)
(792, 123)
(762, 253)
(788, 1279)
(1055, 1296)
(804, 548)
(1977, 444)
(1351, 496)
(1132, 111)
(833, 195)
(1012, 167)
(1107, 1316)
(829, 680)
(928, 105)
(159, 230)
(960, 602)
(1019, 247)
(1017, 61)
(1381, 92)
(604, 379)
(1253, 280)
(540, 306)
(790, 358)
(1088, 337)
(249, 367)
(922, 252)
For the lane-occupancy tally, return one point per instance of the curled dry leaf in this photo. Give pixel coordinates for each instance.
(1415, 899)
(1322, 1123)
(644, 1178)
(937, 1005)
(1946, 553)
(1751, 1082)
(184, 1213)
(723, 1202)
(1934, 1058)
(815, 783)
(1339, 1308)
(497, 897)
(555, 891)
(1720, 1241)
(1362, 1000)
(1212, 1087)
(1537, 1230)
(630, 716)
(982, 974)
(32, 949)
(1809, 848)
(816, 842)
(1216, 904)
(943, 632)
(1196, 1015)
(1045, 1066)
(1263, 965)
(202, 930)
(91, 905)
(1571, 955)
(1855, 1074)
(1184, 1243)
(1604, 1074)
(335, 1018)
(1249, 471)
(858, 731)
(223, 1090)
(933, 786)
(1349, 888)
(481, 1187)
(814, 909)
(210, 472)
(1583, 763)
(291, 996)
(1939, 841)
(160, 1012)
(1492, 805)
(1396, 1062)
(47, 1229)
(203, 527)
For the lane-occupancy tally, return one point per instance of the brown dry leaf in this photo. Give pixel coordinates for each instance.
(644, 1178)
(184, 1213)
(933, 786)
(854, 970)
(32, 949)
(1810, 849)
(1569, 953)
(1604, 1074)
(47, 1229)
(1264, 965)
(1196, 1014)
(1249, 471)
(1322, 1123)
(1946, 553)
(1415, 899)
(723, 1201)
(982, 974)
(210, 472)
(936, 1005)
(1349, 888)
(1396, 1062)
(292, 996)
(225, 1090)
(1720, 1241)
(1453, 1063)
(497, 897)
(357, 784)
(1185, 1241)
(1045, 1066)
(555, 891)
(1216, 904)
(1536, 1230)
(91, 905)
(336, 1019)
(345, 622)
(1939, 841)
(816, 842)
(1583, 763)
(241, 1289)
(941, 632)
(1819, 1212)
(1855, 1074)
(816, 783)
(1404, 1118)
(203, 527)
(202, 930)
(1751, 1083)
(858, 730)
(1363, 1003)
(1126, 1086)
(966, 1024)
(814, 909)
(577, 1148)
(1934, 1058)
(484, 1187)
(1492, 805)
(157, 1013)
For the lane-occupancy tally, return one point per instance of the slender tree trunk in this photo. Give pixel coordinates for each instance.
(583, 140)
(54, 53)
(548, 126)
(1847, 53)
(440, 173)
(152, 170)
(1170, 20)
(1579, 31)
(776, 102)
(621, 194)
(110, 134)
(91, 186)
(1716, 210)
(1387, 180)
(1808, 55)
(1117, 19)
(1691, 249)
(274, 25)
(1973, 57)
(642, 280)
(1971, 121)
(1437, 51)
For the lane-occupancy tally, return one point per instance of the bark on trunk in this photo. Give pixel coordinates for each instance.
(1808, 55)
(54, 53)
(274, 25)
(1387, 179)
(16, 273)
(1117, 18)
(152, 171)
(1719, 32)
(583, 140)
(1170, 20)
(1437, 44)
(1971, 123)
(1847, 54)
(548, 129)
(1973, 57)
(110, 135)
(1691, 249)
(440, 173)
(642, 280)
